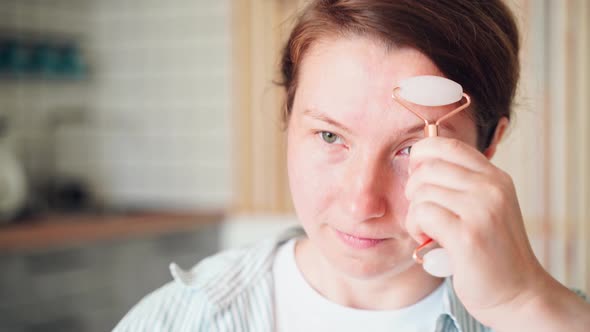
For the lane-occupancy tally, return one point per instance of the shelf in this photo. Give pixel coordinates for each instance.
(73, 230)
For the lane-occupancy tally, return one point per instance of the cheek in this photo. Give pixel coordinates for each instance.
(397, 196)
(313, 181)
(400, 167)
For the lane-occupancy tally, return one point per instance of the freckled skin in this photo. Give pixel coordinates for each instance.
(356, 184)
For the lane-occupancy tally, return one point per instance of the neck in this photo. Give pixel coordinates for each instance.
(384, 292)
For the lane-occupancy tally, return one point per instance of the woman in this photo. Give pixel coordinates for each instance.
(368, 188)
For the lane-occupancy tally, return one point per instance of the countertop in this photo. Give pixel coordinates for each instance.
(60, 230)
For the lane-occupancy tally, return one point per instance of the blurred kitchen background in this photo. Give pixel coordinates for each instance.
(138, 132)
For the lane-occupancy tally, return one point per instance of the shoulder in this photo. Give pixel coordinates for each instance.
(167, 308)
(193, 294)
(222, 283)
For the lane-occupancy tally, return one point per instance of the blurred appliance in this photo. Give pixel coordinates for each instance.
(13, 184)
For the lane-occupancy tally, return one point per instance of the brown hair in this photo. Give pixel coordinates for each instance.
(473, 42)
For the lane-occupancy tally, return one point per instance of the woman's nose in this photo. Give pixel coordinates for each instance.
(366, 193)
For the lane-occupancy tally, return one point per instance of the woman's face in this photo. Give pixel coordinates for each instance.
(348, 152)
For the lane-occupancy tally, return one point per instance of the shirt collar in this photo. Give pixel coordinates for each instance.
(233, 270)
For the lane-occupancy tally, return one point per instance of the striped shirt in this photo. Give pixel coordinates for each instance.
(233, 291)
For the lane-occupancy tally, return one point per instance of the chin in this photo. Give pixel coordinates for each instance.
(368, 267)
(392, 257)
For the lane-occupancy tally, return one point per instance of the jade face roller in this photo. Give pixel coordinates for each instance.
(431, 91)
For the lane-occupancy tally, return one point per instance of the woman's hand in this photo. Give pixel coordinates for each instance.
(461, 200)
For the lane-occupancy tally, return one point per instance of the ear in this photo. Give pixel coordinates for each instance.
(498, 134)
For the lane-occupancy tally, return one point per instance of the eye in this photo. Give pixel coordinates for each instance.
(405, 151)
(329, 137)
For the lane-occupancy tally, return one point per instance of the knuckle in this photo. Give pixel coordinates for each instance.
(495, 194)
(501, 177)
(491, 188)
(506, 178)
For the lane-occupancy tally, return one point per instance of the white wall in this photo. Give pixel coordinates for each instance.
(162, 90)
(157, 133)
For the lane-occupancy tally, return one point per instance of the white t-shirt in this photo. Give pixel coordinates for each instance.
(299, 307)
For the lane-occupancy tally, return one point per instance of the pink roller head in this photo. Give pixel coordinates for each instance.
(430, 90)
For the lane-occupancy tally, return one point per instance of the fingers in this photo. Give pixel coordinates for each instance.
(441, 173)
(453, 200)
(429, 219)
(450, 150)
(446, 189)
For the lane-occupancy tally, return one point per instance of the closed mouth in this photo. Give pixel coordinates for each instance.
(359, 242)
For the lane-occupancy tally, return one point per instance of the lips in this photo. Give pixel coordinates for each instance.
(358, 242)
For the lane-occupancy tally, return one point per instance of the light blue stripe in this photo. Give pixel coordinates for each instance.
(181, 320)
(243, 273)
(239, 320)
(259, 303)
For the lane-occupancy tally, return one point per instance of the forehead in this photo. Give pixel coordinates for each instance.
(357, 72)
(371, 54)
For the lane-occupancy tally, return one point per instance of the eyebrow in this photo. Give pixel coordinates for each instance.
(407, 131)
(325, 118)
